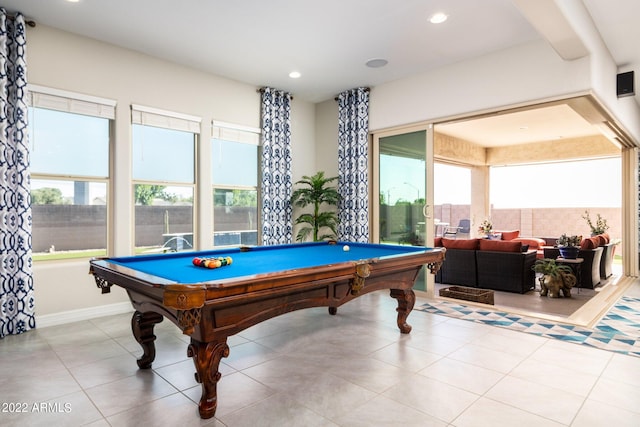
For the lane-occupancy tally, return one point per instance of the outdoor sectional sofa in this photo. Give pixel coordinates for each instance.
(487, 264)
(595, 267)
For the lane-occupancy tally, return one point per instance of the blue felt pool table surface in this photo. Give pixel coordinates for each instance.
(178, 267)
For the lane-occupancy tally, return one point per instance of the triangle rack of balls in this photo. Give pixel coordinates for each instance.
(212, 262)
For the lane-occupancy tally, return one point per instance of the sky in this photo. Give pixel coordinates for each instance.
(586, 183)
(401, 178)
(451, 185)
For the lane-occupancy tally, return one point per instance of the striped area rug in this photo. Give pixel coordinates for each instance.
(619, 329)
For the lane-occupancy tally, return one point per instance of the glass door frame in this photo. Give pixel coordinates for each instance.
(375, 186)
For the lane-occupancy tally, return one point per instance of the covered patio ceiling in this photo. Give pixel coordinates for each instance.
(570, 129)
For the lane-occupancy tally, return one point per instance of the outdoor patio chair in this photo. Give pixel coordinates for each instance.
(464, 227)
(450, 232)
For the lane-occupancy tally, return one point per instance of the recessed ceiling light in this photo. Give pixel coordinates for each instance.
(73, 1)
(376, 63)
(295, 74)
(438, 18)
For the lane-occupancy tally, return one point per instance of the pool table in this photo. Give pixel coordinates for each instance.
(261, 282)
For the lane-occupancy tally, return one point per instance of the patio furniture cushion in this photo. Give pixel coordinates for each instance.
(533, 242)
(590, 243)
(500, 246)
(470, 244)
(510, 234)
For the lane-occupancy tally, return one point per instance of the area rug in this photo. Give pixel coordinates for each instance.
(618, 331)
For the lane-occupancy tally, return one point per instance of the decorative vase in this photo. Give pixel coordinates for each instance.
(569, 252)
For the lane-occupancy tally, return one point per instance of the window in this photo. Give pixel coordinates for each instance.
(234, 159)
(164, 147)
(69, 138)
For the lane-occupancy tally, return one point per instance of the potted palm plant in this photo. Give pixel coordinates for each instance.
(569, 246)
(315, 191)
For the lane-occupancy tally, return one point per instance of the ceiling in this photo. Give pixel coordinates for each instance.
(328, 42)
(546, 123)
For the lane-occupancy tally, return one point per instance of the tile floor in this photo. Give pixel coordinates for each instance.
(308, 368)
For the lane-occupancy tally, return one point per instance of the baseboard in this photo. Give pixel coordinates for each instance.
(82, 314)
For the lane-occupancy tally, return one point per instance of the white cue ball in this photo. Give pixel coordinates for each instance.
(345, 248)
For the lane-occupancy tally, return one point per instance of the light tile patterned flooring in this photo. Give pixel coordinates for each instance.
(308, 368)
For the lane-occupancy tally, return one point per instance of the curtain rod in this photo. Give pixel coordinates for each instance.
(262, 89)
(366, 89)
(29, 22)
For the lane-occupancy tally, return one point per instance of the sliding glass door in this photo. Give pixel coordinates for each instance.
(401, 211)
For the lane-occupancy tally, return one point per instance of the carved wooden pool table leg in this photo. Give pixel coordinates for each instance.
(206, 358)
(406, 300)
(142, 326)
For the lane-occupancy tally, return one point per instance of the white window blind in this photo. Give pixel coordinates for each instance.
(70, 102)
(235, 133)
(155, 117)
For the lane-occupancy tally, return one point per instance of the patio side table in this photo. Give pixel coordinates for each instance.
(576, 267)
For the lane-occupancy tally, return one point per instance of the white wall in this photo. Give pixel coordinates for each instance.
(514, 76)
(302, 139)
(326, 149)
(521, 75)
(604, 70)
(529, 72)
(64, 61)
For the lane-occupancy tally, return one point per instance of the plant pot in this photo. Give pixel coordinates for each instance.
(569, 252)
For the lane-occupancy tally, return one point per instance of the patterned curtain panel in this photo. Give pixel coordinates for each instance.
(353, 178)
(276, 167)
(16, 287)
